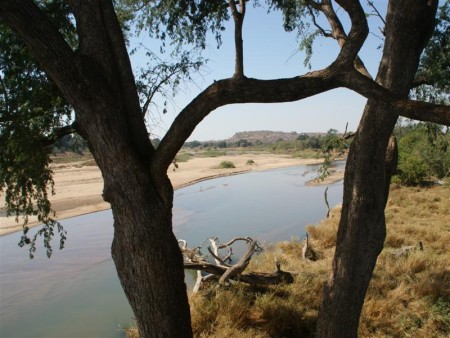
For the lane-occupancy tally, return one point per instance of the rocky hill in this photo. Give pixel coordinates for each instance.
(265, 136)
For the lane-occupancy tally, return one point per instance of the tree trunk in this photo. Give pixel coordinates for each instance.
(145, 251)
(149, 263)
(362, 227)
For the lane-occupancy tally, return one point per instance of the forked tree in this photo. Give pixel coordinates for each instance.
(93, 73)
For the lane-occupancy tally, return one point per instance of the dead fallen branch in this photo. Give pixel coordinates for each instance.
(228, 272)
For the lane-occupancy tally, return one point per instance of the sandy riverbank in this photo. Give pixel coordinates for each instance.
(79, 189)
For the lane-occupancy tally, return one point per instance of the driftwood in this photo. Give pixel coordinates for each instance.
(326, 202)
(307, 251)
(227, 272)
(406, 250)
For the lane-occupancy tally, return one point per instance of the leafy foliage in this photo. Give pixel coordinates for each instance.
(165, 77)
(435, 62)
(423, 152)
(31, 111)
(182, 21)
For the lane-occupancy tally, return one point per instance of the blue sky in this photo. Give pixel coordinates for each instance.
(270, 53)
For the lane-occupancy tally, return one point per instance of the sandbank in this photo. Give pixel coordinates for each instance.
(79, 188)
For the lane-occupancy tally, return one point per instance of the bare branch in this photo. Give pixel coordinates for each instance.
(156, 88)
(240, 266)
(320, 28)
(245, 239)
(220, 261)
(371, 4)
(261, 278)
(238, 17)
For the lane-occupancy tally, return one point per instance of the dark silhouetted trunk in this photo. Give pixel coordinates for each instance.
(362, 227)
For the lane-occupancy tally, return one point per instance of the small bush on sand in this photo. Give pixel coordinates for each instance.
(226, 165)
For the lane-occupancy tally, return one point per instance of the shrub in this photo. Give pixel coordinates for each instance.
(412, 170)
(183, 157)
(250, 162)
(226, 165)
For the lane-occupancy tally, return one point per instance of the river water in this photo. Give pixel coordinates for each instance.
(77, 293)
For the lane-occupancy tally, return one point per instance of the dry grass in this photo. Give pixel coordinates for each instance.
(408, 296)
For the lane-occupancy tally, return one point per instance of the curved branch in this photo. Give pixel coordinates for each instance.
(358, 32)
(246, 90)
(313, 18)
(228, 91)
(338, 32)
(417, 110)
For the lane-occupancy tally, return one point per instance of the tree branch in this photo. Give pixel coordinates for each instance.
(338, 32)
(240, 266)
(106, 50)
(248, 90)
(235, 272)
(127, 82)
(358, 32)
(57, 134)
(43, 39)
(313, 17)
(238, 17)
(156, 89)
(261, 278)
(377, 14)
(421, 81)
(230, 91)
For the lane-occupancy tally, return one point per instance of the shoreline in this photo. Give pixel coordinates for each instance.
(79, 189)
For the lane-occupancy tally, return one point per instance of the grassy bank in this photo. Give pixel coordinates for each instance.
(409, 295)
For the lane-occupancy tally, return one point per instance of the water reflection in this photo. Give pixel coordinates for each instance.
(77, 293)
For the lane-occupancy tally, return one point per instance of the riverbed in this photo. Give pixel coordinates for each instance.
(77, 293)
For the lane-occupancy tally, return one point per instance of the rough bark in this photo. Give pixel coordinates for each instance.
(238, 17)
(98, 82)
(362, 226)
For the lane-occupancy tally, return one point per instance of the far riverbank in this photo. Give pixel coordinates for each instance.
(79, 188)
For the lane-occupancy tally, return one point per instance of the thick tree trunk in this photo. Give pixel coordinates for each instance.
(362, 226)
(145, 251)
(149, 262)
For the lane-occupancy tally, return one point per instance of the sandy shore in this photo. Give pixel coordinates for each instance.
(79, 189)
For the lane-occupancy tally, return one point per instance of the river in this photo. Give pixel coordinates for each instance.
(77, 293)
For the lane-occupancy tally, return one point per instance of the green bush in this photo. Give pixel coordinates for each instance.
(226, 165)
(183, 157)
(412, 170)
(250, 162)
(423, 153)
(213, 153)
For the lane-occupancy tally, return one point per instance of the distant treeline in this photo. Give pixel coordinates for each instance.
(302, 142)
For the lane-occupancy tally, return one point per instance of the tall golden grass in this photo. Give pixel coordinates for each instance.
(409, 295)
